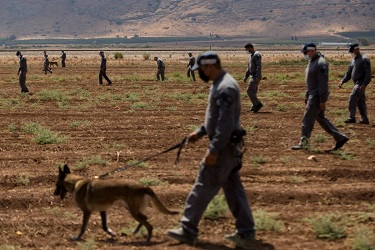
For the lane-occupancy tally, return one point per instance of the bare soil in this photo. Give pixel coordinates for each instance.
(138, 116)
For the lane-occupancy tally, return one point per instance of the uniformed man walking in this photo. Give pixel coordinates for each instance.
(190, 65)
(221, 165)
(161, 68)
(46, 65)
(63, 58)
(103, 70)
(22, 70)
(254, 70)
(316, 97)
(359, 71)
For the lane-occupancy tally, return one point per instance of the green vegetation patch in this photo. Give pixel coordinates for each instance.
(327, 227)
(217, 208)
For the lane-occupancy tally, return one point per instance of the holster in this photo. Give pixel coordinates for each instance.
(237, 135)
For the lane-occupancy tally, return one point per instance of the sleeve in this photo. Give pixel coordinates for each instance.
(103, 66)
(201, 131)
(367, 69)
(226, 120)
(258, 62)
(348, 74)
(322, 76)
(247, 74)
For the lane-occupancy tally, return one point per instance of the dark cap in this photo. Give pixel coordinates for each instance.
(18, 53)
(101, 52)
(249, 45)
(353, 46)
(206, 58)
(308, 46)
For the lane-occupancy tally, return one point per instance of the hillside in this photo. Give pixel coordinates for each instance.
(103, 18)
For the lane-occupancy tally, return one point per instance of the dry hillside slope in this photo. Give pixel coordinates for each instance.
(97, 18)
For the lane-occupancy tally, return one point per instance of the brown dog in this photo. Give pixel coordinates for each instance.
(99, 195)
(53, 63)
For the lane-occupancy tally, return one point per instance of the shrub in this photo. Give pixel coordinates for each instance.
(267, 221)
(45, 136)
(146, 56)
(364, 239)
(42, 135)
(153, 182)
(217, 208)
(94, 160)
(118, 55)
(327, 227)
(88, 244)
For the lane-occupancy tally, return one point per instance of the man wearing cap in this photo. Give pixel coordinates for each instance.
(359, 71)
(22, 70)
(190, 65)
(316, 97)
(103, 69)
(254, 70)
(63, 58)
(221, 165)
(161, 68)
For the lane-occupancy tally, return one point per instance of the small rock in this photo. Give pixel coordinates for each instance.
(312, 158)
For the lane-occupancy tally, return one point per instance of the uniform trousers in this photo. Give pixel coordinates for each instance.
(357, 99)
(190, 72)
(208, 183)
(160, 73)
(252, 90)
(22, 81)
(103, 74)
(314, 113)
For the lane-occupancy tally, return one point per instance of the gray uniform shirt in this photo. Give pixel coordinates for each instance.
(255, 66)
(191, 61)
(103, 65)
(223, 112)
(23, 65)
(316, 79)
(160, 63)
(359, 70)
(46, 63)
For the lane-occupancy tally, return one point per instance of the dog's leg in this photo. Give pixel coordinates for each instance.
(103, 215)
(137, 229)
(86, 218)
(142, 219)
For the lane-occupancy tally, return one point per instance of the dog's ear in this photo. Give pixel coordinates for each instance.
(66, 169)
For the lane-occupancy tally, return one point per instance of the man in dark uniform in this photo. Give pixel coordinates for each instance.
(316, 97)
(63, 58)
(254, 70)
(360, 71)
(221, 165)
(22, 70)
(103, 69)
(190, 65)
(46, 65)
(161, 68)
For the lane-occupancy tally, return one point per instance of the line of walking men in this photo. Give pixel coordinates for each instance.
(359, 71)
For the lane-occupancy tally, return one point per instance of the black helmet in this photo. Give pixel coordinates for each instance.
(18, 53)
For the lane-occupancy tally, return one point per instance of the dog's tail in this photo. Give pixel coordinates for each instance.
(157, 203)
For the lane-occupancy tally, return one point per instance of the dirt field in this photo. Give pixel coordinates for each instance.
(100, 128)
